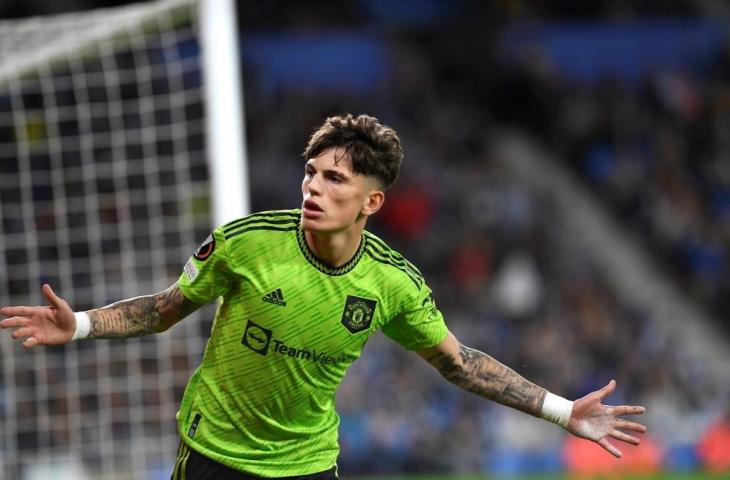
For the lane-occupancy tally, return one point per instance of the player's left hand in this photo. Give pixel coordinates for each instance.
(592, 420)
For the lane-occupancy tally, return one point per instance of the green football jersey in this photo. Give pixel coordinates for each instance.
(286, 330)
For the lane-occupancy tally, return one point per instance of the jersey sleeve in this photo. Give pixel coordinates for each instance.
(207, 274)
(419, 324)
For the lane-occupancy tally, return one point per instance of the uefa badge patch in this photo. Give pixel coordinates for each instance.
(205, 249)
(358, 313)
(190, 271)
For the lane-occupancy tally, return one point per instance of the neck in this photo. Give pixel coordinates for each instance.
(335, 249)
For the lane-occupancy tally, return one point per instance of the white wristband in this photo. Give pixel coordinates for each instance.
(83, 325)
(556, 409)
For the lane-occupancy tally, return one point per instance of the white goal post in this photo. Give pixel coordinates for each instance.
(121, 145)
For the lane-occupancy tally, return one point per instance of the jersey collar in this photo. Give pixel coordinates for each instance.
(322, 266)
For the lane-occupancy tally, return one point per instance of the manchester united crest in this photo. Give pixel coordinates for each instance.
(358, 313)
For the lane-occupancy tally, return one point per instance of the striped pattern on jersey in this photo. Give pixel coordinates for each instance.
(284, 220)
(380, 252)
(287, 328)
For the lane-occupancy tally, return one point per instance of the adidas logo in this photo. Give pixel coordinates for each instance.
(275, 297)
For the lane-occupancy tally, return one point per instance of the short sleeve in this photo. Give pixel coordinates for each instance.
(207, 274)
(419, 324)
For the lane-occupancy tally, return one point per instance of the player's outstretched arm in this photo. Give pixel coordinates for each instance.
(479, 373)
(141, 315)
(56, 324)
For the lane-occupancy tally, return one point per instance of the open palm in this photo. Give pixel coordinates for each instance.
(51, 325)
(592, 420)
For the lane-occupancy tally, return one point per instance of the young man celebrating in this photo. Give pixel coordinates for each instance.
(301, 292)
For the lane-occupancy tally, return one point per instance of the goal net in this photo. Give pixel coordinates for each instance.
(104, 193)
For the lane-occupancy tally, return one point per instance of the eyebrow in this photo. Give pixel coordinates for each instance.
(331, 171)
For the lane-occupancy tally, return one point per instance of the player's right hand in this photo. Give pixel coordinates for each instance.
(52, 325)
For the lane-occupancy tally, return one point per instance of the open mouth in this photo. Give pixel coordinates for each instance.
(310, 205)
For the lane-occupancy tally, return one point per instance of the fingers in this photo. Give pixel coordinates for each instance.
(618, 435)
(14, 322)
(610, 448)
(628, 410)
(23, 329)
(22, 332)
(21, 324)
(626, 425)
(51, 296)
(607, 390)
(18, 311)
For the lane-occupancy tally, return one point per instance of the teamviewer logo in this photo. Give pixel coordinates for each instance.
(257, 338)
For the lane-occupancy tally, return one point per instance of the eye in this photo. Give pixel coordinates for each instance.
(308, 171)
(335, 178)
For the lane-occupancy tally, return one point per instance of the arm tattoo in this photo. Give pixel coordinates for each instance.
(141, 315)
(479, 373)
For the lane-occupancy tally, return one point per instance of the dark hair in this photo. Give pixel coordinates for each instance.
(374, 149)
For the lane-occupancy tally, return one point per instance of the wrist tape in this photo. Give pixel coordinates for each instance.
(556, 409)
(83, 325)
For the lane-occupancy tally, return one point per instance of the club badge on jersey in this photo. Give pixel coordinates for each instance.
(358, 313)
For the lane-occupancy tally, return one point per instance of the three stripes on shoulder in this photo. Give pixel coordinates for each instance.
(273, 220)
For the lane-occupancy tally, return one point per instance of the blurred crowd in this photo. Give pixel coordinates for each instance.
(658, 154)
(510, 284)
(504, 275)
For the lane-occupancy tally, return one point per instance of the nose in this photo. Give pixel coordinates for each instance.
(311, 185)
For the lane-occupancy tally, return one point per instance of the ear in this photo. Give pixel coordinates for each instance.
(373, 202)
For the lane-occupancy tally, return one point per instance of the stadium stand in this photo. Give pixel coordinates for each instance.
(504, 242)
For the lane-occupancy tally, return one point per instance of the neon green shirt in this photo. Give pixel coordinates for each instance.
(286, 330)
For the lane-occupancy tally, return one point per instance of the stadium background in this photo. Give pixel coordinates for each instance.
(627, 103)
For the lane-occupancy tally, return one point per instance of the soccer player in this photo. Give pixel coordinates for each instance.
(301, 291)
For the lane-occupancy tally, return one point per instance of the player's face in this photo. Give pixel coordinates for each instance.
(334, 198)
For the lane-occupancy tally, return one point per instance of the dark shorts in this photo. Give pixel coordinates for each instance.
(190, 465)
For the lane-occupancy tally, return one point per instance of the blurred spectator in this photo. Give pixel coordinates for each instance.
(408, 212)
(714, 447)
(583, 460)
(657, 153)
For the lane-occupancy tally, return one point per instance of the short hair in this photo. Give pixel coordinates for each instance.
(374, 149)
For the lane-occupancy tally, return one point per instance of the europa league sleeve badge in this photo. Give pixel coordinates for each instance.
(205, 249)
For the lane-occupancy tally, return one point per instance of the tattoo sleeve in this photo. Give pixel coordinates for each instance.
(141, 315)
(479, 373)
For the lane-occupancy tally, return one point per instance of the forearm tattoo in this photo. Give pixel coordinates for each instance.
(141, 315)
(479, 373)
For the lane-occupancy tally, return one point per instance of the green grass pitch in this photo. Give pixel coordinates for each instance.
(660, 476)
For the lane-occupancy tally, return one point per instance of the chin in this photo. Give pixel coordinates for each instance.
(319, 226)
(313, 225)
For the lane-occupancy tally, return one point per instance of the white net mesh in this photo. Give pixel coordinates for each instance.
(104, 193)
